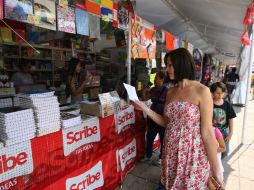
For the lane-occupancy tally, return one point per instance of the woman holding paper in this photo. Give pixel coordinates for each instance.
(189, 141)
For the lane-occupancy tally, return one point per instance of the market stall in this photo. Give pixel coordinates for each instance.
(93, 144)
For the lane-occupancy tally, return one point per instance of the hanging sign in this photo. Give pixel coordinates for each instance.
(66, 19)
(143, 42)
(19, 10)
(45, 14)
(1, 9)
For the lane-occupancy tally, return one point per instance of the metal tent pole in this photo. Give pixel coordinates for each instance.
(129, 51)
(251, 59)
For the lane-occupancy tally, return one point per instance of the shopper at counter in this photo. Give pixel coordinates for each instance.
(189, 137)
(158, 98)
(23, 76)
(76, 82)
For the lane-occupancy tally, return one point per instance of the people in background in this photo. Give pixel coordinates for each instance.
(223, 113)
(189, 138)
(158, 97)
(76, 83)
(231, 79)
(23, 76)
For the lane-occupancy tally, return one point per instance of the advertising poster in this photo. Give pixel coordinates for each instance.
(66, 3)
(45, 10)
(19, 10)
(82, 22)
(66, 19)
(143, 43)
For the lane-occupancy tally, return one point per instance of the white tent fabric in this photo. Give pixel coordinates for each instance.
(239, 96)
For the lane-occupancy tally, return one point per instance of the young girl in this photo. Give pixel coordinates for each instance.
(223, 113)
(221, 148)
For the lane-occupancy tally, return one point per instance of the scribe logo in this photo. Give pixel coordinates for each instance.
(77, 136)
(127, 153)
(125, 117)
(14, 159)
(89, 180)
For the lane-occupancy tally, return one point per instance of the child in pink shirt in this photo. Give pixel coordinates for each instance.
(221, 148)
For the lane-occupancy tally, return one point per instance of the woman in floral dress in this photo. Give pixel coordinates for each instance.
(189, 142)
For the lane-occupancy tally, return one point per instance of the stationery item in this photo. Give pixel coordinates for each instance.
(131, 92)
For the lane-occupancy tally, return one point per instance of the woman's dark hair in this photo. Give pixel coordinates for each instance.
(183, 64)
(72, 66)
(216, 85)
(70, 73)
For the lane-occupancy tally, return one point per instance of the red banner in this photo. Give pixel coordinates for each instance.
(49, 162)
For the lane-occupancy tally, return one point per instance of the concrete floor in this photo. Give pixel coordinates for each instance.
(238, 166)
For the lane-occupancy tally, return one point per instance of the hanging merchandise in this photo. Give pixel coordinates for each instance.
(106, 14)
(80, 4)
(94, 26)
(97, 1)
(66, 19)
(197, 56)
(66, 3)
(20, 11)
(143, 42)
(122, 17)
(120, 38)
(92, 7)
(115, 15)
(169, 41)
(82, 22)
(176, 42)
(190, 48)
(107, 3)
(160, 36)
(245, 38)
(248, 17)
(45, 11)
(163, 64)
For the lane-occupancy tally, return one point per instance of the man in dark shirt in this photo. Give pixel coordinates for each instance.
(158, 97)
(231, 79)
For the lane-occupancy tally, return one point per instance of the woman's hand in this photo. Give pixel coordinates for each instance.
(218, 176)
(139, 105)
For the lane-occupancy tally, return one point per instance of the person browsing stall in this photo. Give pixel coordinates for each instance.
(158, 98)
(76, 83)
(189, 138)
(23, 76)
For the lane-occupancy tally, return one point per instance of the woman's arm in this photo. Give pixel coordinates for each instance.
(207, 133)
(157, 118)
(222, 145)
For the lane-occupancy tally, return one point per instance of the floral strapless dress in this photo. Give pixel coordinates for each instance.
(184, 161)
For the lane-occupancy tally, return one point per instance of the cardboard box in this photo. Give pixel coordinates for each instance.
(103, 108)
(91, 108)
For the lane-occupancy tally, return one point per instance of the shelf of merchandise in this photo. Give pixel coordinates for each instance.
(47, 59)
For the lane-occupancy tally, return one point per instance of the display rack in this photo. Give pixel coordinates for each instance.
(49, 65)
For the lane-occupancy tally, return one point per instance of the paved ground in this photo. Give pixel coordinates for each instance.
(239, 166)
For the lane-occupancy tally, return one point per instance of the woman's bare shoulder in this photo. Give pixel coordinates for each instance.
(203, 91)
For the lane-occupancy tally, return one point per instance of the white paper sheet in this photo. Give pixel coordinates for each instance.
(131, 92)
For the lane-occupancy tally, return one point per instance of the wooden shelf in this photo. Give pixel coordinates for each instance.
(38, 58)
(11, 57)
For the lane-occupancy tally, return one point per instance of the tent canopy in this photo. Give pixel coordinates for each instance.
(214, 26)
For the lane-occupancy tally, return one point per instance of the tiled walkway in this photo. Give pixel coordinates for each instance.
(239, 166)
